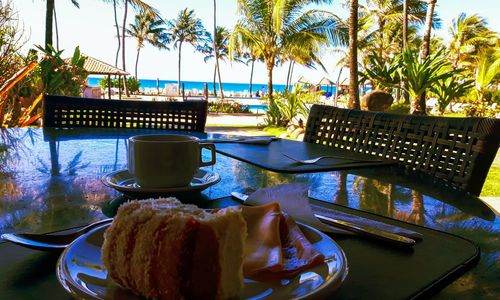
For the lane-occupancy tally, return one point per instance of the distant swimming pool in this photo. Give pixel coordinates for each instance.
(256, 109)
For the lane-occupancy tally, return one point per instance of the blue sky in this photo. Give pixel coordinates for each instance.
(92, 28)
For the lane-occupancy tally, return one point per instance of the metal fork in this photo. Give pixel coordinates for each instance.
(315, 160)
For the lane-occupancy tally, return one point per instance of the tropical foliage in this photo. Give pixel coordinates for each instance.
(12, 39)
(227, 107)
(221, 52)
(276, 28)
(60, 77)
(449, 89)
(147, 28)
(133, 85)
(186, 28)
(287, 106)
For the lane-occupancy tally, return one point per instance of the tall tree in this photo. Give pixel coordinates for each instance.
(276, 26)
(470, 35)
(245, 49)
(418, 106)
(221, 52)
(117, 27)
(49, 20)
(353, 55)
(405, 23)
(139, 6)
(186, 28)
(428, 27)
(146, 28)
(217, 69)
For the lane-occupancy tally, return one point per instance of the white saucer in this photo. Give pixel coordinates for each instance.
(123, 182)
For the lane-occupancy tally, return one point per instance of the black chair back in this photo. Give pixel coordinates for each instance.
(458, 151)
(66, 112)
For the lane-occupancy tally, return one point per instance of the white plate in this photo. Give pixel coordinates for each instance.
(82, 273)
(124, 182)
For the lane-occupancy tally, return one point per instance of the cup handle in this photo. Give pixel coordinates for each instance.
(210, 147)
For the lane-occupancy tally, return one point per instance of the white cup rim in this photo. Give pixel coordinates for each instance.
(162, 138)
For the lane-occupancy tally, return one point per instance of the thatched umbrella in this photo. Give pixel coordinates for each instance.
(96, 67)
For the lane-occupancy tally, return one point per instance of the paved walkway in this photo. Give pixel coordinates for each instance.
(239, 124)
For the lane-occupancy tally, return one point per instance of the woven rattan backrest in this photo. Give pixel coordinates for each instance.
(458, 151)
(62, 111)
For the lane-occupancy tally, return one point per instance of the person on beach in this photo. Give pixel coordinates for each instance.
(262, 91)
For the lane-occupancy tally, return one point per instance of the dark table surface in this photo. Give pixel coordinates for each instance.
(51, 180)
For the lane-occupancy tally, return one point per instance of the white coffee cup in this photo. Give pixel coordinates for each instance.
(166, 160)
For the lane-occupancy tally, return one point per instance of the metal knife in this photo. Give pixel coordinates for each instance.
(364, 230)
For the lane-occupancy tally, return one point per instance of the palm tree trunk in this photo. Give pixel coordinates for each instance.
(216, 51)
(405, 23)
(49, 15)
(57, 29)
(337, 87)
(251, 77)
(404, 46)
(220, 82)
(428, 27)
(123, 50)
(353, 56)
(416, 108)
(215, 79)
(117, 34)
(381, 25)
(419, 106)
(137, 61)
(288, 76)
(179, 71)
(270, 66)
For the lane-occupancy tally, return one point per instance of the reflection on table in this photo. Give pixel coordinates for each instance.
(51, 180)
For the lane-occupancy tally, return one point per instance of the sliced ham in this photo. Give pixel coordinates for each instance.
(275, 245)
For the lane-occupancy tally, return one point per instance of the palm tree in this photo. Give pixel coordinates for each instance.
(140, 6)
(186, 28)
(488, 68)
(115, 3)
(49, 20)
(405, 23)
(391, 11)
(245, 48)
(216, 52)
(470, 34)
(428, 26)
(276, 26)
(221, 52)
(353, 55)
(146, 29)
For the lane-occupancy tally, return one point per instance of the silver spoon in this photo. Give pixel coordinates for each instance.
(315, 160)
(48, 242)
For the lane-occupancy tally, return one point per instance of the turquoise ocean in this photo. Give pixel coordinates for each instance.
(189, 85)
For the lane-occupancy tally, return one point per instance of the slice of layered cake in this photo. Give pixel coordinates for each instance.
(161, 248)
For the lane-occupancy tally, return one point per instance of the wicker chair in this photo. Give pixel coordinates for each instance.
(458, 151)
(63, 111)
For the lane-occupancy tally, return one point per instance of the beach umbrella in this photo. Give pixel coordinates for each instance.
(95, 66)
(303, 80)
(329, 85)
(325, 81)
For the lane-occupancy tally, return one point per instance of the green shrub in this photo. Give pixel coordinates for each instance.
(227, 107)
(60, 77)
(133, 84)
(286, 106)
